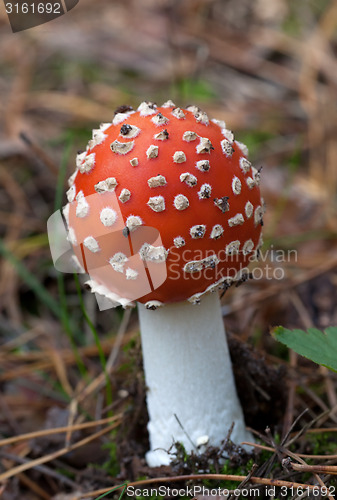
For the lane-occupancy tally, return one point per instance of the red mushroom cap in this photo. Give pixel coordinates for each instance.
(176, 171)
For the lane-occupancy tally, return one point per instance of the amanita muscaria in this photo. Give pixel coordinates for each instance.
(184, 175)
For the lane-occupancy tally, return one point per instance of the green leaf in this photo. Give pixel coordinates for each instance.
(320, 347)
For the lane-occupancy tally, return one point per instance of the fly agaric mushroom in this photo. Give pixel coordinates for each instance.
(174, 170)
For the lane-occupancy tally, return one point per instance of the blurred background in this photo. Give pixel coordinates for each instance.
(268, 68)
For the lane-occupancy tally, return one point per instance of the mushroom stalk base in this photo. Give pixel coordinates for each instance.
(191, 394)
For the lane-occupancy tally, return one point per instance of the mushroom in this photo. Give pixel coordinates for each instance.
(182, 176)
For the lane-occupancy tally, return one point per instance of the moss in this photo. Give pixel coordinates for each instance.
(111, 466)
(322, 443)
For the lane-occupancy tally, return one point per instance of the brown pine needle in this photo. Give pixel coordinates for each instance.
(318, 469)
(319, 430)
(56, 454)
(56, 430)
(302, 455)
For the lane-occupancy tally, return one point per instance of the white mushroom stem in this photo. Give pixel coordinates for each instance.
(191, 391)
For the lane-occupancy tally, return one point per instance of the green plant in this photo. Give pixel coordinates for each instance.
(318, 346)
